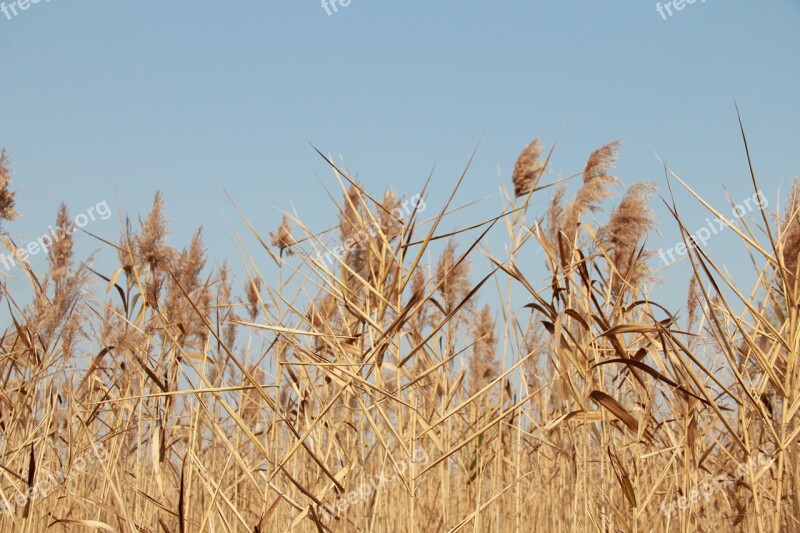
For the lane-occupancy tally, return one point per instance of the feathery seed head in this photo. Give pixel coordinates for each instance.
(283, 240)
(60, 250)
(151, 243)
(252, 292)
(597, 183)
(7, 211)
(629, 225)
(528, 168)
(455, 275)
(483, 366)
(791, 231)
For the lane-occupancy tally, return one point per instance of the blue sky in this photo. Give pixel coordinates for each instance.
(113, 100)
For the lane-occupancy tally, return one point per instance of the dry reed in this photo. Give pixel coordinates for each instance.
(375, 393)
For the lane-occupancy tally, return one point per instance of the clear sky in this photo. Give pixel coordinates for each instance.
(109, 101)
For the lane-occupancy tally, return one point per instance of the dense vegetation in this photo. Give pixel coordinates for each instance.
(364, 388)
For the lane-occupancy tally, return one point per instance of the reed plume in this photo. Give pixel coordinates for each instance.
(126, 249)
(60, 251)
(186, 290)
(223, 317)
(282, 239)
(483, 365)
(791, 232)
(355, 230)
(57, 308)
(693, 303)
(554, 217)
(596, 187)
(252, 291)
(453, 275)
(390, 215)
(226, 314)
(629, 224)
(7, 211)
(528, 169)
(153, 250)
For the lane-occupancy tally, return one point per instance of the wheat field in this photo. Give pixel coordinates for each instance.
(393, 373)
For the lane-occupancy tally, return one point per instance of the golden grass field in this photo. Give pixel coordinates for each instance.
(365, 388)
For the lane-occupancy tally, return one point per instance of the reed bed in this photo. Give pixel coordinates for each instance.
(395, 374)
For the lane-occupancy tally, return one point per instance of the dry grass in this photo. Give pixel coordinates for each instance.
(162, 401)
